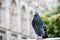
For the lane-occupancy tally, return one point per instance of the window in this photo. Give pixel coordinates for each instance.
(31, 12)
(24, 37)
(13, 8)
(13, 37)
(29, 1)
(13, 1)
(0, 37)
(13, 15)
(2, 13)
(0, 4)
(23, 9)
(59, 1)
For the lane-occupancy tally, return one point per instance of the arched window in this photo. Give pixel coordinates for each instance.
(0, 4)
(13, 15)
(59, 1)
(23, 12)
(13, 7)
(31, 12)
(23, 9)
(0, 37)
(24, 37)
(13, 37)
(23, 19)
(2, 12)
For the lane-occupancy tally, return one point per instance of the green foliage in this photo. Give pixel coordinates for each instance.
(54, 12)
(48, 25)
(52, 20)
(53, 25)
(58, 9)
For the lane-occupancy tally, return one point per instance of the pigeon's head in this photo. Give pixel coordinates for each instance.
(35, 13)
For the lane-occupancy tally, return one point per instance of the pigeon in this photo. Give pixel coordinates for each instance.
(39, 26)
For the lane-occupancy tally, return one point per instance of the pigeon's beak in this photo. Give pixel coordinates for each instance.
(32, 14)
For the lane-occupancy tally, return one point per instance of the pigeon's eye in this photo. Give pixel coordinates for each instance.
(35, 15)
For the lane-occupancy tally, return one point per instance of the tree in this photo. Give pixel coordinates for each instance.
(54, 11)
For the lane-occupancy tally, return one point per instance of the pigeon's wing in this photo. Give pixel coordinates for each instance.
(36, 28)
(45, 30)
(37, 25)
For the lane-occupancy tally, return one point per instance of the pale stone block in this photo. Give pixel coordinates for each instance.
(8, 35)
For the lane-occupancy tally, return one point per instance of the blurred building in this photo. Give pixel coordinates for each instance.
(16, 17)
(59, 2)
(42, 6)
